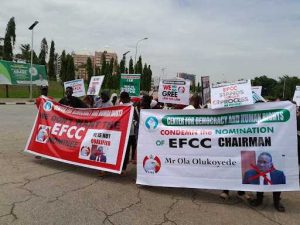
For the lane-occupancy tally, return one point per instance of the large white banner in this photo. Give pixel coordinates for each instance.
(250, 148)
(78, 87)
(175, 91)
(95, 85)
(226, 95)
(296, 97)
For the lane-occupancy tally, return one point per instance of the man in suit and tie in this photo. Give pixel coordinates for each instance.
(264, 173)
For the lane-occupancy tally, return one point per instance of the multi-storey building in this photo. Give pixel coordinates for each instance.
(81, 59)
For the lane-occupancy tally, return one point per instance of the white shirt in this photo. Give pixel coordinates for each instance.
(261, 179)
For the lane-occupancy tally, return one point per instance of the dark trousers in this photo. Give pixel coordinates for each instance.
(131, 142)
(276, 196)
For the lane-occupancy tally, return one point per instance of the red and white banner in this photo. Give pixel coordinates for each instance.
(93, 138)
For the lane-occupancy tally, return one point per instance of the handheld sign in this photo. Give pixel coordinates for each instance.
(175, 91)
(130, 83)
(78, 87)
(95, 85)
(234, 94)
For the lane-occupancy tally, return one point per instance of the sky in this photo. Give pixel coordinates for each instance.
(226, 40)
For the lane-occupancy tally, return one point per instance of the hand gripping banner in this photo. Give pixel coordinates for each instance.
(247, 148)
(93, 138)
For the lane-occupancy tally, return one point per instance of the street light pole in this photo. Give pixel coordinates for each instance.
(31, 58)
(136, 46)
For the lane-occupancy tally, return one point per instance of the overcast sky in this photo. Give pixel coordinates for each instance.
(225, 39)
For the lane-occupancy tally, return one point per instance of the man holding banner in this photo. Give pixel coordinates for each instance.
(72, 101)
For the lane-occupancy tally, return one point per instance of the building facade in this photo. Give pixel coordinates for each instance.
(81, 59)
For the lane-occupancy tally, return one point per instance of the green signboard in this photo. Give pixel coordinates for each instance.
(131, 84)
(19, 73)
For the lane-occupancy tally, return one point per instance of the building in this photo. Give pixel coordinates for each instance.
(81, 59)
(187, 76)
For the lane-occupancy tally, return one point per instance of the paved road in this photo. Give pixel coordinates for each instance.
(47, 192)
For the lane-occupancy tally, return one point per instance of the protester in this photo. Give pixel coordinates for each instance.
(114, 98)
(104, 101)
(195, 102)
(72, 101)
(43, 92)
(89, 101)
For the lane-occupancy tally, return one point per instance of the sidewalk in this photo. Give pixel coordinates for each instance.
(12, 101)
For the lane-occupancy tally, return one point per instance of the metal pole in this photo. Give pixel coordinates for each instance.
(31, 64)
(136, 46)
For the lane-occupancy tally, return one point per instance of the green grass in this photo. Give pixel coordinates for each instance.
(55, 90)
(21, 91)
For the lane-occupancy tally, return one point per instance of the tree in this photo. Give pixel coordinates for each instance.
(268, 85)
(70, 72)
(131, 70)
(149, 78)
(122, 66)
(51, 67)
(25, 52)
(144, 78)
(63, 69)
(89, 69)
(43, 52)
(286, 87)
(9, 40)
(139, 66)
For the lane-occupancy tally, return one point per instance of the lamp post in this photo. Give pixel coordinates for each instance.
(124, 59)
(31, 59)
(136, 46)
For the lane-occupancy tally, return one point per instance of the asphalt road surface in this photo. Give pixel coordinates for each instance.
(44, 192)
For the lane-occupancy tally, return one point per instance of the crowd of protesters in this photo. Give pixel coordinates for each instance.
(146, 101)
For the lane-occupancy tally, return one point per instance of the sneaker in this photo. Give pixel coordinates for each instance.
(279, 207)
(224, 196)
(102, 174)
(124, 173)
(245, 197)
(255, 202)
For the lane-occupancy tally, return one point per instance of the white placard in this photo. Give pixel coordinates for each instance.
(225, 95)
(296, 97)
(77, 85)
(257, 89)
(95, 85)
(175, 91)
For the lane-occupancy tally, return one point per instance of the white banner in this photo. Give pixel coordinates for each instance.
(257, 89)
(226, 95)
(296, 97)
(175, 91)
(95, 85)
(249, 148)
(78, 87)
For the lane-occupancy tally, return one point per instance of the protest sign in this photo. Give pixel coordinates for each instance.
(257, 89)
(205, 90)
(130, 83)
(296, 97)
(175, 91)
(77, 85)
(20, 73)
(226, 95)
(93, 138)
(219, 149)
(95, 85)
